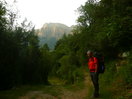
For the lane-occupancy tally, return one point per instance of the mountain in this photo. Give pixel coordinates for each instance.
(51, 32)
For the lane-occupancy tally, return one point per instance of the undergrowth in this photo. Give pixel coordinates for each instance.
(116, 82)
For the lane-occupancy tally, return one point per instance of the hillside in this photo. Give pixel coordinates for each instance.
(51, 32)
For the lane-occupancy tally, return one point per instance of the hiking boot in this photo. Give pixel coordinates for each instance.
(95, 96)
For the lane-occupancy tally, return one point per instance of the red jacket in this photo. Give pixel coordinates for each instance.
(92, 64)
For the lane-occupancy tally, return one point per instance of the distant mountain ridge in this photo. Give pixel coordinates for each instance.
(51, 32)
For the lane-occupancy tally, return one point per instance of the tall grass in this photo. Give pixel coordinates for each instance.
(116, 82)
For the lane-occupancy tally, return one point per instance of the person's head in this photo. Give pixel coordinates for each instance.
(89, 53)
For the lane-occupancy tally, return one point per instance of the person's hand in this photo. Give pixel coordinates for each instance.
(96, 72)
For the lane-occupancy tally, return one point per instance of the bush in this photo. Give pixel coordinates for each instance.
(109, 73)
(126, 72)
(68, 70)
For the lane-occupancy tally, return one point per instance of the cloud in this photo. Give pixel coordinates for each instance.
(43, 11)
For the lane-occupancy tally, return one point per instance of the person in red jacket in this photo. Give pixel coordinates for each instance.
(93, 68)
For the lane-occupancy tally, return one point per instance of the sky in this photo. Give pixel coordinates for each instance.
(40, 12)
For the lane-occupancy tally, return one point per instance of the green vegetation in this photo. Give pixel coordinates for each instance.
(116, 81)
(23, 90)
(22, 60)
(103, 26)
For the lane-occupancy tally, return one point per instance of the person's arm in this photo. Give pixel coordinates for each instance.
(96, 64)
(96, 67)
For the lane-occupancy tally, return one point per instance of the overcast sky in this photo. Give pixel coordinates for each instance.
(46, 11)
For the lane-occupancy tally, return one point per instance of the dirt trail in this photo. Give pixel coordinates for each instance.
(80, 94)
(66, 94)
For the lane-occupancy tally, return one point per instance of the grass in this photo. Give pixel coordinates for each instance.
(15, 93)
(112, 86)
(75, 87)
(55, 89)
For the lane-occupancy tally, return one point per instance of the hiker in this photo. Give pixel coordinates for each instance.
(93, 68)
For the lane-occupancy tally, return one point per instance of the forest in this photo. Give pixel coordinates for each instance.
(104, 26)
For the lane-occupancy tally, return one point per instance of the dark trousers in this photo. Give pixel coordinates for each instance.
(95, 78)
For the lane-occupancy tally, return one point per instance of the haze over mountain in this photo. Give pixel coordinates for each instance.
(51, 32)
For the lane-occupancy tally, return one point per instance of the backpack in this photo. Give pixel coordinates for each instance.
(101, 65)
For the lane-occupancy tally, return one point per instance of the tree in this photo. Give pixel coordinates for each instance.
(21, 59)
(104, 27)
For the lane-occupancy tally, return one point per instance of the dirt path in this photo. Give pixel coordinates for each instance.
(80, 94)
(65, 93)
